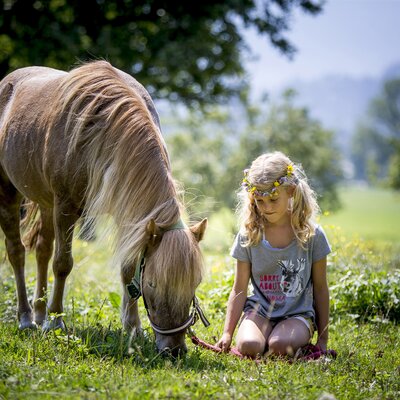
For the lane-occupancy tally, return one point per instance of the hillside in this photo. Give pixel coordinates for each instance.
(340, 102)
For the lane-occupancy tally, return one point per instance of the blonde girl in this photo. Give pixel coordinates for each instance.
(282, 251)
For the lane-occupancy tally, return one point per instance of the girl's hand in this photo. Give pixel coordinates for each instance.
(225, 342)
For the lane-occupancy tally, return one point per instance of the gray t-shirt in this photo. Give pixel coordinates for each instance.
(281, 278)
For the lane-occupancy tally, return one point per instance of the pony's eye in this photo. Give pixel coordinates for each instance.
(151, 284)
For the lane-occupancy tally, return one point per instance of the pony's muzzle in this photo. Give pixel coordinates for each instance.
(172, 347)
(176, 352)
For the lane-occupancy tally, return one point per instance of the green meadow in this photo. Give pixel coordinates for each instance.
(370, 214)
(96, 359)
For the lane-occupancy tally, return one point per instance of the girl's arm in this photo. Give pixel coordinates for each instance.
(236, 301)
(321, 301)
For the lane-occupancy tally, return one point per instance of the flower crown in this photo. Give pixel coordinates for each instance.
(288, 177)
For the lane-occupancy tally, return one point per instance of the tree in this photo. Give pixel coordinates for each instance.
(181, 50)
(200, 145)
(376, 145)
(210, 154)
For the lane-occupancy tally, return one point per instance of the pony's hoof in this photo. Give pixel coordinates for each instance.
(25, 321)
(53, 325)
(39, 312)
(40, 319)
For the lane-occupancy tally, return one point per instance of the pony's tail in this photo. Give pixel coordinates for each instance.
(30, 224)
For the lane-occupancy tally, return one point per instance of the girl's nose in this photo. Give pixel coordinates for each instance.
(267, 206)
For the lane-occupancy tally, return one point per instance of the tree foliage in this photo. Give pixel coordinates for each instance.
(209, 155)
(376, 145)
(181, 50)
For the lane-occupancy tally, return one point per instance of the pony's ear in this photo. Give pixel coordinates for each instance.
(151, 227)
(199, 229)
(153, 233)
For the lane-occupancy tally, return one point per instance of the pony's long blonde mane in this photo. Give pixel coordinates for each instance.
(128, 171)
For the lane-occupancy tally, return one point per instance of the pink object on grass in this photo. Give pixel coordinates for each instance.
(308, 352)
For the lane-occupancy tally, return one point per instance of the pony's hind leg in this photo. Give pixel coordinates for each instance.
(9, 221)
(44, 251)
(65, 217)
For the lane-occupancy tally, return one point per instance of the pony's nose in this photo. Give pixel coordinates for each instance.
(175, 352)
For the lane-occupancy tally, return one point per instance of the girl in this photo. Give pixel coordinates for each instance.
(283, 252)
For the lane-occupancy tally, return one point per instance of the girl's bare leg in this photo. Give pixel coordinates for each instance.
(288, 336)
(252, 335)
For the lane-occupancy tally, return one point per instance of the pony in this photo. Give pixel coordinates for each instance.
(85, 143)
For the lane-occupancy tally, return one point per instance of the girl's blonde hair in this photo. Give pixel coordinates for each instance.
(266, 172)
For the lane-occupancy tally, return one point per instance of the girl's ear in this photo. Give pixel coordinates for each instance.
(199, 229)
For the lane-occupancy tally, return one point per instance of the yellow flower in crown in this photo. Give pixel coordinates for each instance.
(288, 178)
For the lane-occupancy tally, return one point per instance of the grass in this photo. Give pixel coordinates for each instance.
(97, 360)
(370, 214)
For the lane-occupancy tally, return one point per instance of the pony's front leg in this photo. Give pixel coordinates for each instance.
(64, 221)
(44, 251)
(129, 313)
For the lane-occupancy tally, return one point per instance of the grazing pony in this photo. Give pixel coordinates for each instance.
(88, 142)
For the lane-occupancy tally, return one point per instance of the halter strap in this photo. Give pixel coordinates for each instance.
(178, 225)
(196, 313)
(135, 287)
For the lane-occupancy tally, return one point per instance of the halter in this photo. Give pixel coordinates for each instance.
(135, 291)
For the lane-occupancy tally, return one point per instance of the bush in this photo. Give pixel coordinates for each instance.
(370, 295)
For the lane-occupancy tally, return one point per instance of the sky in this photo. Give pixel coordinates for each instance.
(356, 38)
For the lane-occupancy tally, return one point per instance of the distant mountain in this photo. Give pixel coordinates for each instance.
(340, 102)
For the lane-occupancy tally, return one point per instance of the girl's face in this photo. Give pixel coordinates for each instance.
(275, 209)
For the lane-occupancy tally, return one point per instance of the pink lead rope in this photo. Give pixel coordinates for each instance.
(307, 353)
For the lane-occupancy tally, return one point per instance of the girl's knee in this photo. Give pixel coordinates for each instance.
(280, 347)
(287, 337)
(251, 348)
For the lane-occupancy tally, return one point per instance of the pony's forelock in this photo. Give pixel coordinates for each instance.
(178, 248)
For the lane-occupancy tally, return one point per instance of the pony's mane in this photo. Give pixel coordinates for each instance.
(112, 130)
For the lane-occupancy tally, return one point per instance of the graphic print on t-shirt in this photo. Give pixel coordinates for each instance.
(289, 283)
(292, 282)
(269, 285)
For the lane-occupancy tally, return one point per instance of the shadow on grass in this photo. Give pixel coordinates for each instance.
(115, 344)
